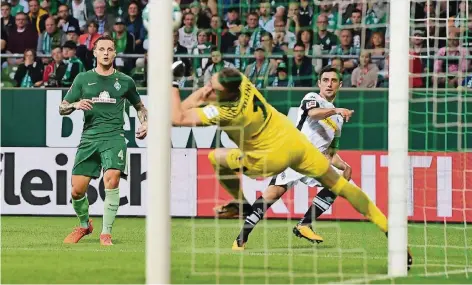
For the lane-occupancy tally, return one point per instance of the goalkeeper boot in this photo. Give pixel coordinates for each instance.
(410, 259)
(306, 232)
(238, 245)
(78, 233)
(105, 239)
(232, 210)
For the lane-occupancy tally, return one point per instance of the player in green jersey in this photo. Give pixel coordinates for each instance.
(101, 93)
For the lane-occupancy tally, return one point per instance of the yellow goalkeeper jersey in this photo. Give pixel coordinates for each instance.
(250, 122)
(268, 141)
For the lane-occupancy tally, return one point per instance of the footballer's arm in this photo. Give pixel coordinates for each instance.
(184, 117)
(67, 108)
(196, 99)
(321, 113)
(143, 119)
(142, 112)
(340, 164)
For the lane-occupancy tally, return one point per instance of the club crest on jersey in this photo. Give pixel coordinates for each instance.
(117, 86)
(104, 97)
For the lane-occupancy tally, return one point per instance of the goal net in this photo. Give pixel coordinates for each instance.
(354, 36)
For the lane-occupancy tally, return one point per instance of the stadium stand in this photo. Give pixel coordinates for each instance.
(316, 32)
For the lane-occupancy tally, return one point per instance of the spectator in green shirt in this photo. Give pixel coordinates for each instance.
(332, 15)
(16, 7)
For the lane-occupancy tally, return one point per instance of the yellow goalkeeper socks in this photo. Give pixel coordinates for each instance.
(361, 202)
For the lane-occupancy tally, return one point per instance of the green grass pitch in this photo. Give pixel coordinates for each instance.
(353, 252)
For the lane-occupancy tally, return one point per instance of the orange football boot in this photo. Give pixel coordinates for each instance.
(105, 239)
(78, 233)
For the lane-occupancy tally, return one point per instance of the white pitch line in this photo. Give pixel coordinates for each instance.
(386, 277)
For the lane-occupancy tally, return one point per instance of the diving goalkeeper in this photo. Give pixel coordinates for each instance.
(267, 140)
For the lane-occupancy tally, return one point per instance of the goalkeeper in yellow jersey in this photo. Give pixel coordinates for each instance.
(267, 141)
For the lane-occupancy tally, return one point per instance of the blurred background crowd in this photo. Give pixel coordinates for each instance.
(276, 43)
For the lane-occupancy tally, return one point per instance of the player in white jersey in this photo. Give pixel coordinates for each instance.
(322, 123)
(324, 134)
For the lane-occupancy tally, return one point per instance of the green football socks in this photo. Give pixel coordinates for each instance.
(110, 207)
(81, 207)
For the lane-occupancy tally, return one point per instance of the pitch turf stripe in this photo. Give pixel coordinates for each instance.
(68, 249)
(320, 253)
(298, 252)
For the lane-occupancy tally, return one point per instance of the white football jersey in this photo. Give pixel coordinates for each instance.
(321, 133)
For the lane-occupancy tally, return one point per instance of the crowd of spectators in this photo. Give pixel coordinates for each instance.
(275, 43)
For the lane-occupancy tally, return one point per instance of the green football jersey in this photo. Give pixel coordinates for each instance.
(108, 94)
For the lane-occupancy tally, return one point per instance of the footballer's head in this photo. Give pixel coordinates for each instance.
(104, 50)
(225, 84)
(329, 82)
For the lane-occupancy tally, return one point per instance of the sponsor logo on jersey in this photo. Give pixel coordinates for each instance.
(210, 111)
(104, 97)
(310, 104)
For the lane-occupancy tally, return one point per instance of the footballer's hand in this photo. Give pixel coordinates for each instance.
(346, 113)
(84, 104)
(347, 172)
(142, 131)
(208, 94)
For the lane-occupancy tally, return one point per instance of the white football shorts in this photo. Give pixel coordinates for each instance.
(290, 178)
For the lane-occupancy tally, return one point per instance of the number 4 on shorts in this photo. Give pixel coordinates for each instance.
(120, 154)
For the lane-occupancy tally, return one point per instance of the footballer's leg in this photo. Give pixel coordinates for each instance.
(227, 164)
(113, 156)
(315, 165)
(259, 208)
(320, 204)
(111, 179)
(86, 167)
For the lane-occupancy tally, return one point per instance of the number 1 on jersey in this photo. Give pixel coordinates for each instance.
(258, 104)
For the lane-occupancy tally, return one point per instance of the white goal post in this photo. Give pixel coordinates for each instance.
(158, 229)
(398, 97)
(159, 78)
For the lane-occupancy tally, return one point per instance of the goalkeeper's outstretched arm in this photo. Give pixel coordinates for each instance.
(185, 113)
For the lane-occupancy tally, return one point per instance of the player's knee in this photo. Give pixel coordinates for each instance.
(274, 192)
(79, 186)
(217, 159)
(78, 191)
(112, 182)
(330, 178)
(111, 179)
